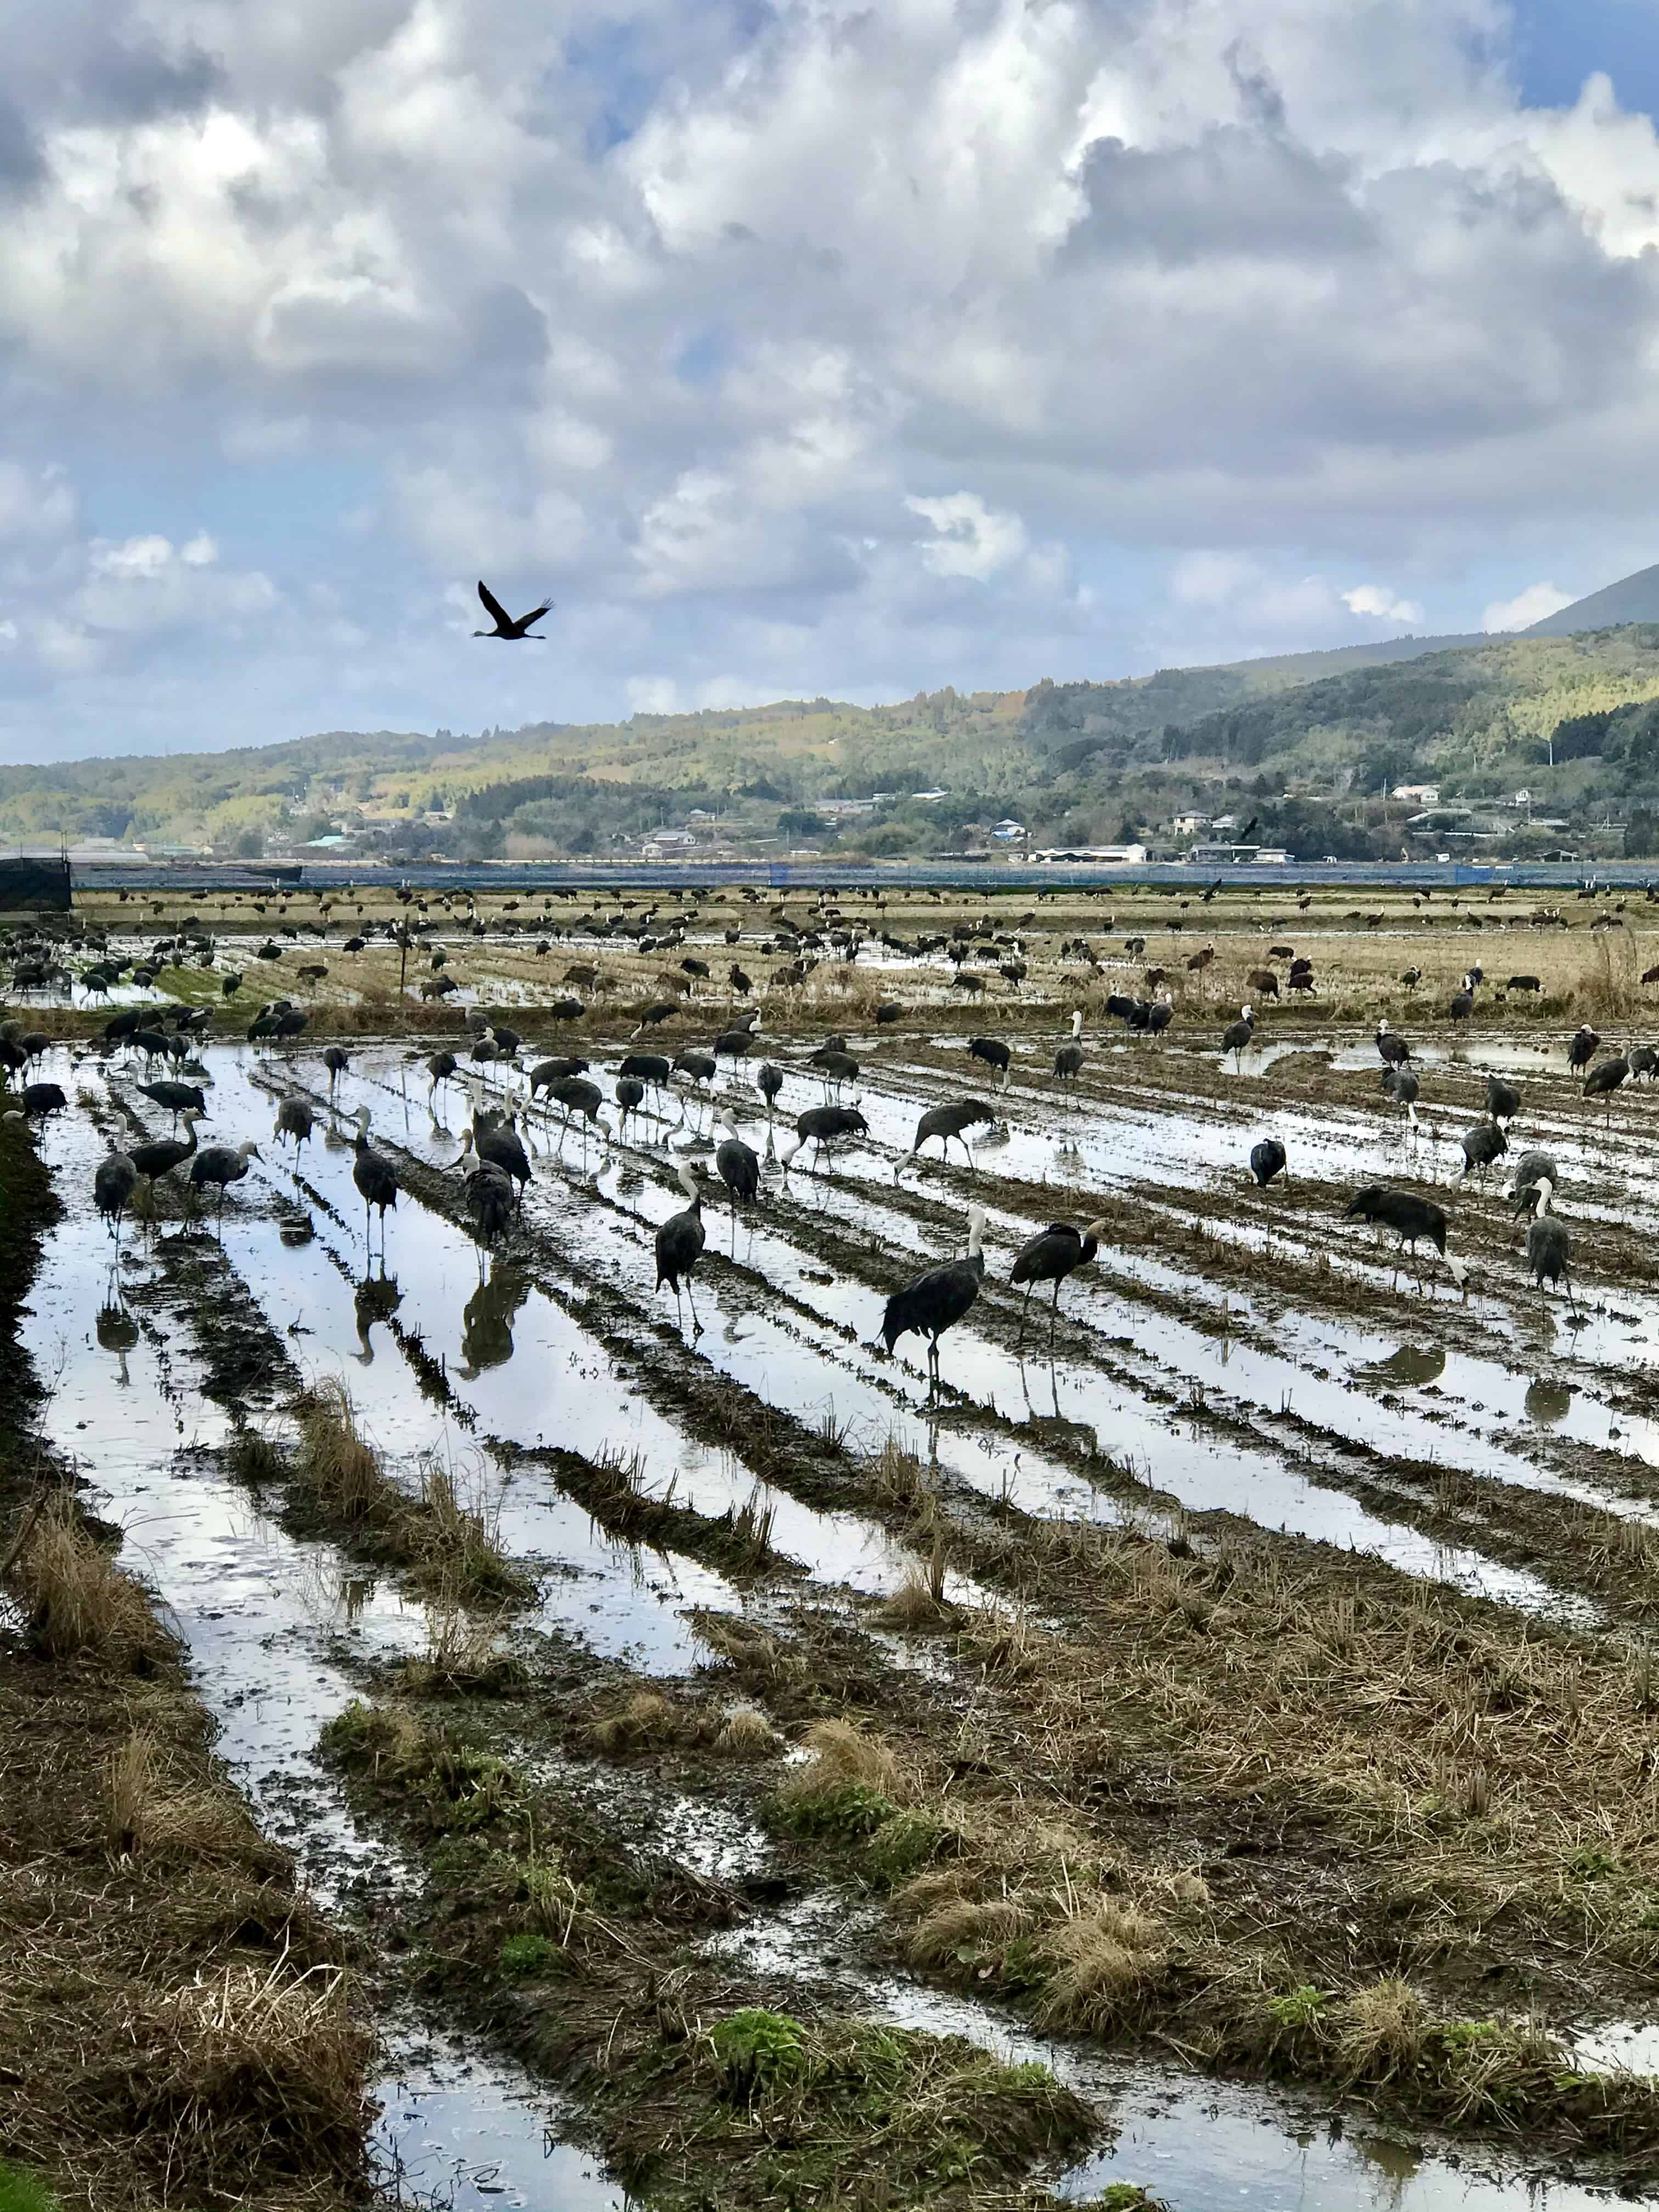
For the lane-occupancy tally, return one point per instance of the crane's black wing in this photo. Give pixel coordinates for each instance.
(526, 620)
(492, 606)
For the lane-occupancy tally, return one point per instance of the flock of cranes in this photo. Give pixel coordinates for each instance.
(495, 1167)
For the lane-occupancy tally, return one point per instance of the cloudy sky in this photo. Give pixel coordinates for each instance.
(798, 348)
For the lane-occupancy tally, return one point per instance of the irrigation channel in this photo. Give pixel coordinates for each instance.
(1233, 1362)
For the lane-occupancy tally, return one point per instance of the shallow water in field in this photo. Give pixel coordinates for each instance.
(276, 1626)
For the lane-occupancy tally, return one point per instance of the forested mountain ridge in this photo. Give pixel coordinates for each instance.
(1312, 743)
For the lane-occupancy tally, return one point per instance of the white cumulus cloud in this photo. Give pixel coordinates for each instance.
(1525, 608)
(1379, 600)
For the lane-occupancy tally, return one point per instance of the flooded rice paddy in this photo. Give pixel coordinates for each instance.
(1235, 1360)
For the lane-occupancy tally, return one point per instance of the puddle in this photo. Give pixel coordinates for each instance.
(457, 2133)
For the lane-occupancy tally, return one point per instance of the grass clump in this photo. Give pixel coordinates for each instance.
(458, 1786)
(463, 1654)
(255, 2061)
(757, 2051)
(647, 1720)
(815, 2113)
(77, 1600)
(745, 1732)
(342, 1467)
(174, 1822)
(524, 1955)
(452, 1545)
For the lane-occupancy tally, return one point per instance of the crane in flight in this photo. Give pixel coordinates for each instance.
(507, 626)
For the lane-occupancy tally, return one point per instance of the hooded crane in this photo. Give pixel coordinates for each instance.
(112, 1185)
(652, 1067)
(1484, 1143)
(375, 1177)
(736, 1165)
(1050, 1257)
(1548, 1252)
(1267, 1160)
(175, 1096)
(337, 1061)
(820, 1126)
(1581, 1047)
(1236, 1038)
(950, 1121)
(994, 1053)
(514, 629)
(1531, 1169)
(1394, 1050)
(1502, 1099)
(1068, 1065)
(1601, 1082)
(630, 1096)
(220, 1166)
(1409, 1216)
(935, 1301)
(679, 1243)
(769, 1081)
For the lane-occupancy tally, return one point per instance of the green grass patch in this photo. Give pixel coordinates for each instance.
(25, 2192)
(848, 1810)
(522, 1956)
(803, 2114)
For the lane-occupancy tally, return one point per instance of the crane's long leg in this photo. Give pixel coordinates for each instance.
(1053, 1311)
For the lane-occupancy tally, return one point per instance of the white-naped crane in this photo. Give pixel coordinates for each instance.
(939, 1299)
(1054, 1253)
(375, 1177)
(679, 1242)
(114, 1182)
(217, 1166)
(294, 1122)
(1549, 1253)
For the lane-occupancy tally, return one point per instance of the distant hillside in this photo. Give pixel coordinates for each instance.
(1631, 600)
(1308, 746)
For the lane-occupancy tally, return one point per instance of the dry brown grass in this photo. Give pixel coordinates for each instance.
(1101, 1960)
(844, 1760)
(171, 1818)
(745, 1732)
(344, 1467)
(77, 1600)
(451, 1542)
(647, 1719)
